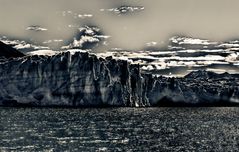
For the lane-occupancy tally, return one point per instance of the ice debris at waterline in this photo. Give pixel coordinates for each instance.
(83, 79)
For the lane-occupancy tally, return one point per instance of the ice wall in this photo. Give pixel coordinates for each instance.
(82, 79)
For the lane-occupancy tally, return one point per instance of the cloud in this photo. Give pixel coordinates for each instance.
(36, 28)
(157, 21)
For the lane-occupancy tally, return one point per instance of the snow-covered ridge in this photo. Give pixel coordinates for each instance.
(22, 45)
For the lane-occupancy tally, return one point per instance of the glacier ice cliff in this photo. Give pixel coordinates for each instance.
(83, 79)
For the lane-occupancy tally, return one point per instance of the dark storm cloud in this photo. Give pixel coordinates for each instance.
(160, 19)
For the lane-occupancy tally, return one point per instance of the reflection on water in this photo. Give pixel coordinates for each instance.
(131, 129)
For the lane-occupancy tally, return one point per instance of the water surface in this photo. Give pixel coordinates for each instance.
(119, 129)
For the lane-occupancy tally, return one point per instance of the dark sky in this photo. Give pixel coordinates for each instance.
(161, 19)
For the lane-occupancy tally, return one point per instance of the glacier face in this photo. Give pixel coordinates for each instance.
(70, 80)
(83, 79)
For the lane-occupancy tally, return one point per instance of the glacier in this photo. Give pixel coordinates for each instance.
(86, 80)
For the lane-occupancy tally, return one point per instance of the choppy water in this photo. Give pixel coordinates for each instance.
(121, 129)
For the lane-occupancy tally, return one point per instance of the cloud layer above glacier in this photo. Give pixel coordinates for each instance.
(140, 23)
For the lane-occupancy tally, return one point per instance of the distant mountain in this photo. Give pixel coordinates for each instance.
(8, 52)
(22, 45)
